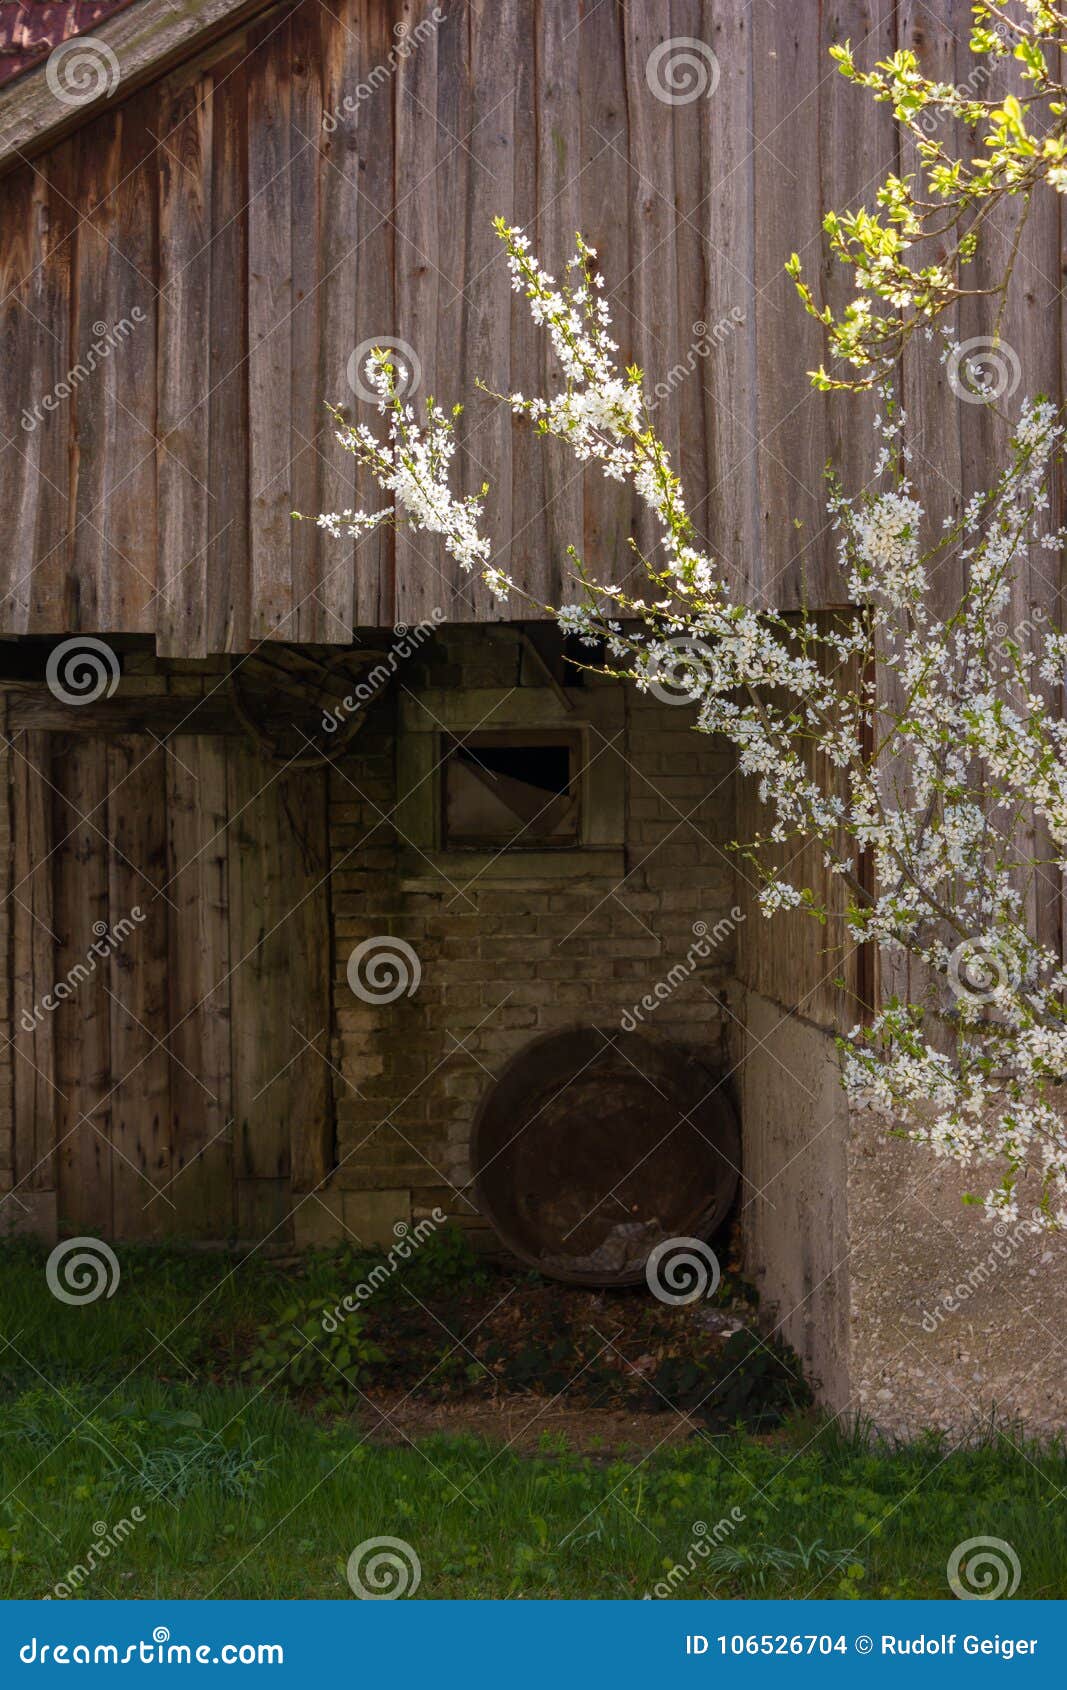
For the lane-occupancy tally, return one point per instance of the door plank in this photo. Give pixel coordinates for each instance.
(82, 1021)
(137, 1001)
(201, 1131)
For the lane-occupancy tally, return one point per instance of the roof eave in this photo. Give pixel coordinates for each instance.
(146, 39)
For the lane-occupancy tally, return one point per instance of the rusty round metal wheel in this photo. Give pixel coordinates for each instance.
(595, 1146)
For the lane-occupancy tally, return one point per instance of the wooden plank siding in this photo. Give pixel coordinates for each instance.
(265, 229)
(170, 1000)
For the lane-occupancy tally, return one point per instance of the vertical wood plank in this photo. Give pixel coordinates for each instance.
(93, 408)
(33, 963)
(487, 308)
(375, 567)
(35, 284)
(25, 343)
(787, 69)
(605, 222)
(655, 340)
(270, 339)
(277, 847)
(184, 457)
(308, 26)
(228, 545)
(857, 151)
(453, 178)
(731, 405)
(423, 571)
(83, 1020)
(138, 998)
(52, 585)
(199, 999)
(559, 215)
(129, 518)
(340, 267)
(695, 351)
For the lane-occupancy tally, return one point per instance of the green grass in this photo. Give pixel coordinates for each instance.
(245, 1493)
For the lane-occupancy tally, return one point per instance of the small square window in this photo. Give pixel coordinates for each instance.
(511, 790)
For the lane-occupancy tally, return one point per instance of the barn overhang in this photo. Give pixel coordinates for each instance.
(133, 40)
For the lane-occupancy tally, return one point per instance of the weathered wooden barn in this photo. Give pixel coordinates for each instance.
(245, 765)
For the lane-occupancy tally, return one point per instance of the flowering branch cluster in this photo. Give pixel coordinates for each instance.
(909, 255)
(414, 464)
(940, 732)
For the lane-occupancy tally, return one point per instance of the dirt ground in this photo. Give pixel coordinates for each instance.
(527, 1424)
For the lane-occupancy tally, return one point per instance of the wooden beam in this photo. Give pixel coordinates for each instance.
(146, 39)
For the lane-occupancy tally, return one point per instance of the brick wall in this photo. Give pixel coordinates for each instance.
(503, 961)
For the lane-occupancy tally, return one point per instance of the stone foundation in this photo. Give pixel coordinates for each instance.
(907, 1307)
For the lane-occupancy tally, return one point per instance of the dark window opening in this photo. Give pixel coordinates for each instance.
(514, 790)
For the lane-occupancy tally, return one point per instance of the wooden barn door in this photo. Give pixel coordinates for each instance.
(170, 1082)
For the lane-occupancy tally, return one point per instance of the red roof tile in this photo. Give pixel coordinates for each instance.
(29, 29)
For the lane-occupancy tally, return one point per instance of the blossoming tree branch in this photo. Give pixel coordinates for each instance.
(941, 729)
(909, 257)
